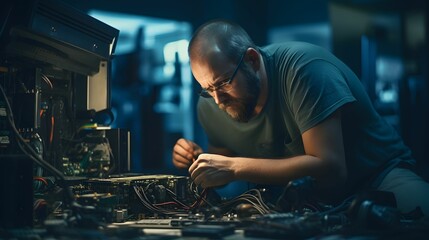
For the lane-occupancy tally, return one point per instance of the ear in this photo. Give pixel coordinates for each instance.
(252, 57)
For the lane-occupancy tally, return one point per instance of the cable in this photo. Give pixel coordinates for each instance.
(256, 201)
(47, 80)
(22, 143)
(29, 151)
(146, 202)
(174, 197)
(112, 167)
(342, 206)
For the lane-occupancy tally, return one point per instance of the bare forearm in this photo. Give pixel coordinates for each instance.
(281, 171)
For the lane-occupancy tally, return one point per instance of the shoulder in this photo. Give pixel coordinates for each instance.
(291, 46)
(293, 56)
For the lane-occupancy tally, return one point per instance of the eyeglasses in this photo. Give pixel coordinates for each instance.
(224, 86)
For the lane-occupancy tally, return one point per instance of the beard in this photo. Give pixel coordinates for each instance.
(241, 109)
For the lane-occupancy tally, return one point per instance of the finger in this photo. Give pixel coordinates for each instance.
(185, 156)
(186, 144)
(197, 153)
(201, 159)
(183, 150)
(192, 168)
(199, 176)
(205, 179)
(192, 147)
(180, 161)
(198, 180)
(183, 165)
(197, 150)
(199, 167)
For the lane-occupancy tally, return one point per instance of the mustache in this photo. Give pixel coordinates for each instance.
(228, 103)
(224, 105)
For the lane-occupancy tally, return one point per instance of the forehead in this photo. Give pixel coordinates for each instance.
(210, 68)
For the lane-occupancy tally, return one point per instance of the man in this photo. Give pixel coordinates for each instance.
(287, 111)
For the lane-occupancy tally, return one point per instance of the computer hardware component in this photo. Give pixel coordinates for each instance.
(146, 195)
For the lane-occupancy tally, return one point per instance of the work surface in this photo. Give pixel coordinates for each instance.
(272, 227)
(172, 207)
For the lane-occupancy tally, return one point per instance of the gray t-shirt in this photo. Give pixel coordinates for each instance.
(306, 84)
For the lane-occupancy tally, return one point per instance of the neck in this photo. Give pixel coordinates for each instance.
(263, 94)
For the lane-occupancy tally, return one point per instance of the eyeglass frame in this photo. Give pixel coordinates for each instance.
(206, 93)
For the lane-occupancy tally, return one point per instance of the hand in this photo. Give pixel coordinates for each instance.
(211, 170)
(185, 152)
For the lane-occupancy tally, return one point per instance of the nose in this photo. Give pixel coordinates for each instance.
(218, 96)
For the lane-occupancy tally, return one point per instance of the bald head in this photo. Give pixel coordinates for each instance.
(219, 36)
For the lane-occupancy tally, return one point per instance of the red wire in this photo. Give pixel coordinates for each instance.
(42, 180)
(200, 200)
(51, 138)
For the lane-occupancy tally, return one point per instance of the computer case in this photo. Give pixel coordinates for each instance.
(119, 140)
(51, 56)
(50, 31)
(16, 188)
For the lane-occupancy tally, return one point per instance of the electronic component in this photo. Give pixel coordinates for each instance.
(145, 195)
(88, 157)
(208, 231)
(48, 49)
(119, 140)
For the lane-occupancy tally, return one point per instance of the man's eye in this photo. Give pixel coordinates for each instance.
(210, 89)
(223, 83)
(218, 86)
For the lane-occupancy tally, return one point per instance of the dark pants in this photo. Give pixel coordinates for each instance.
(410, 190)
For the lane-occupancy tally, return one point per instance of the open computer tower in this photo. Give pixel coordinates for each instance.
(54, 78)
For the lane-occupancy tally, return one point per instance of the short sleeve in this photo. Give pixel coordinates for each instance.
(317, 89)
